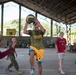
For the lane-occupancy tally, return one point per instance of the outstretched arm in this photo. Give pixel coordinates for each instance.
(3, 54)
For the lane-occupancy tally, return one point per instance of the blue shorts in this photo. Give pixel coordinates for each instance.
(30, 50)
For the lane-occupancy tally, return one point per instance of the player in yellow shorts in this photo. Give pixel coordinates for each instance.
(36, 47)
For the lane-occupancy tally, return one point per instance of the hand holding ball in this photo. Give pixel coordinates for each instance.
(30, 19)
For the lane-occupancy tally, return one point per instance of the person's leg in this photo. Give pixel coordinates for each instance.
(10, 65)
(60, 60)
(15, 64)
(32, 59)
(60, 63)
(31, 54)
(61, 56)
(40, 68)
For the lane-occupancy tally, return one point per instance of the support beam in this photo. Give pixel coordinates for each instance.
(2, 10)
(19, 20)
(51, 28)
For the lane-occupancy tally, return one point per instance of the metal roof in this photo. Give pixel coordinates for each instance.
(60, 10)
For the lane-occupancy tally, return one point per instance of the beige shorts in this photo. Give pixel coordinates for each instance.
(61, 55)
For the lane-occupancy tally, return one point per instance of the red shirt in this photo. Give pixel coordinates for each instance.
(61, 43)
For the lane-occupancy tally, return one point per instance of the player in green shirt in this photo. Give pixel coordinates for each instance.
(36, 47)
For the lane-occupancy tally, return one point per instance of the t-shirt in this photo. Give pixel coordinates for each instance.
(36, 38)
(61, 43)
(12, 50)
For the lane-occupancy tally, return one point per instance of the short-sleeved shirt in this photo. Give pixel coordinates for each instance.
(12, 50)
(61, 43)
(36, 38)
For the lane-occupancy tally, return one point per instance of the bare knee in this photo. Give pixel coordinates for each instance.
(31, 54)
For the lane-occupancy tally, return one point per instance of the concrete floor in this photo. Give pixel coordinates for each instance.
(50, 63)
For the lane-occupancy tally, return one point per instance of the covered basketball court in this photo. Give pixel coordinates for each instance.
(59, 10)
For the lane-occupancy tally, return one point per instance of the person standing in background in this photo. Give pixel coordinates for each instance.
(61, 49)
(7, 44)
(8, 51)
(12, 58)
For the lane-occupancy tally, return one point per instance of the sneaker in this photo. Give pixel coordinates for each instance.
(8, 70)
(18, 72)
(61, 71)
(32, 71)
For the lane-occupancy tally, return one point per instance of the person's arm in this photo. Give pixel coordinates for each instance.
(65, 49)
(65, 46)
(56, 45)
(56, 48)
(41, 27)
(3, 54)
(25, 29)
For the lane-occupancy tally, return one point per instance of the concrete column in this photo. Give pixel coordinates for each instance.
(19, 20)
(51, 28)
(36, 14)
(2, 7)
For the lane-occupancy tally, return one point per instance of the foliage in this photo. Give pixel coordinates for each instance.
(14, 24)
(73, 30)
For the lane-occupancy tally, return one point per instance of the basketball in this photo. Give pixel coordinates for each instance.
(30, 18)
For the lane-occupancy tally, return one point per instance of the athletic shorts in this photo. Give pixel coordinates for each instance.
(61, 55)
(39, 53)
(30, 50)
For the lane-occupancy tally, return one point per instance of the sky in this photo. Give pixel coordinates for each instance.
(11, 11)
